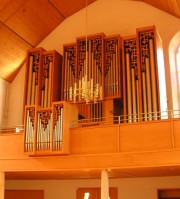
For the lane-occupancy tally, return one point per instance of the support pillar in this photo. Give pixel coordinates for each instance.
(104, 184)
(2, 185)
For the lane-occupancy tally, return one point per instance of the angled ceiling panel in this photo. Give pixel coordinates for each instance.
(170, 6)
(24, 24)
(13, 51)
(34, 20)
(69, 7)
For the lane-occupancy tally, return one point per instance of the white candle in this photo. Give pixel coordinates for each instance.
(70, 93)
(91, 88)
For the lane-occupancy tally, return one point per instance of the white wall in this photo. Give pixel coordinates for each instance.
(15, 110)
(128, 188)
(108, 16)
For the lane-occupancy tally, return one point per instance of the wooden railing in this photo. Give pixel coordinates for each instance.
(121, 119)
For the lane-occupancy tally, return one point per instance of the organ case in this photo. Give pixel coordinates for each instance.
(33, 76)
(148, 67)
(112, 73)
(47, 130)
(51, 78)
(43, 77)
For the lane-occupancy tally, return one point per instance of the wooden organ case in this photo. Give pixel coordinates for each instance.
(101, 77)
(47, 129)
(148, 69)
(92, 63)
(140, 76)
(46, 122)
(131, 80)
(33, 76)
(43, 77)
(112, 62)
(51, 78)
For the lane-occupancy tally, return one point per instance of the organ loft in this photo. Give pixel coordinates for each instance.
(98, 78)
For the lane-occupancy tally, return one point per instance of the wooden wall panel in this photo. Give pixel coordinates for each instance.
(145, 136)
(94, 140)
(11, 144)
(176, 128)
(24, 194)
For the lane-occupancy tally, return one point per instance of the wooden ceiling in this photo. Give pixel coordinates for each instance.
(25, 23)
(170, 6)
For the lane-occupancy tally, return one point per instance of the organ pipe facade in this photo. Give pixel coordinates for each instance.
(148, 73)
(47, 129)
(94, 82)
(131, 80)
(43, 82)
(33, 76)
(69, 71)
(112, 63)
(140, 72)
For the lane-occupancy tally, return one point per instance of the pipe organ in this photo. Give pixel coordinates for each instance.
(57, 130)
(43, 82)
(30, 115)
(45, 127)
(140, 84)
(94, 84)
(69, 71)
(91, 72)
(33, 76)
(149, 73)
(90, 112)
(90, 68)
(112, 78)
(43, 136)
(131, 80)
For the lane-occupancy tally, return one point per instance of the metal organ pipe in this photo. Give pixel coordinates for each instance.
(129, 97)
(137, 99)
(30, 79)
(49, 86)
(33, 94)
(46, 92)
(148, 86)
(153, 79)
(144, 96)
(27, 131)
(133, 86)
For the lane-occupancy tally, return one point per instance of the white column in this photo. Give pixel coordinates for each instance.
(104, 185)
(2, 185)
